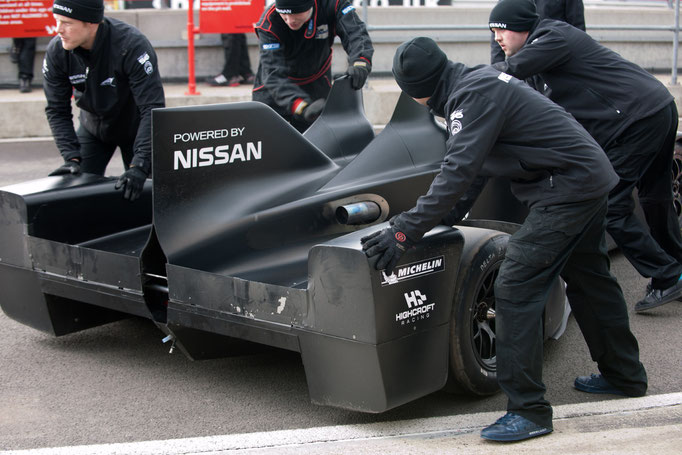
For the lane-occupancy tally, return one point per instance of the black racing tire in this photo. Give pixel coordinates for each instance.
(473, 361)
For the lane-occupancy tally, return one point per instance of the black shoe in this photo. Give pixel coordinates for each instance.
(24, 85)
(512, 427)
(657, 297)
(595, 383)
(650, 286)
(248, 79)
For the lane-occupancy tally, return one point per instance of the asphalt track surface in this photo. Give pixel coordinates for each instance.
(118, 384)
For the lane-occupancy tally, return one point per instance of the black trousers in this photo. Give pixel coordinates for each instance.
(237, 61)
(27, 52)
(96, 153)
(566, 240)
(642, 156)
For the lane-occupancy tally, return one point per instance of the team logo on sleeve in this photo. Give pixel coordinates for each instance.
(144, 60)
(455, 123)
(504, 77)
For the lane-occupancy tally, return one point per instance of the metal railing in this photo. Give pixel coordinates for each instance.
(675, 28)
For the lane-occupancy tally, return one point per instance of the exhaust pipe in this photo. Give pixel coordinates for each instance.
(358, 213)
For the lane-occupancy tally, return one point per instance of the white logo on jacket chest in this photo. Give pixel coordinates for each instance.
(322, 32)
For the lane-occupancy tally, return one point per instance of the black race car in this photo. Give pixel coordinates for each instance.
(250, 232)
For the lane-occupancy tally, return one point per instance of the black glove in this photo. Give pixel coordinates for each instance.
(389, 244)
(69, 167)
(133, 179)
(358, 74)
(313, 110)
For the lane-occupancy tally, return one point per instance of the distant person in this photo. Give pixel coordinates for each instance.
(630, 114)
(237, 67)
(498, 126)
(570, 11)
(23, 53)
(295, 37)
(112, 72)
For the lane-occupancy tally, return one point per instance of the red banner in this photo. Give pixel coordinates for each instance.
(23, 19)
(229, 16)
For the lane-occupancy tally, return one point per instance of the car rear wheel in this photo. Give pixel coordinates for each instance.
(677, 180)
(473, 343)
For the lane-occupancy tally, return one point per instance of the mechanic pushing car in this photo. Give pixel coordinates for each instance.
(499, 126)
(630, 114)
(111, 70)
(295, 39)
(570, 11)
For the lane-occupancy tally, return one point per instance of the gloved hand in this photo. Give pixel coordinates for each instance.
(358, 74)
(69, 167)
(133, 180)
(389, 244)
(313, 110)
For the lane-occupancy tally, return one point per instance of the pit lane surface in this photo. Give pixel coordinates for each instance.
(117, 383)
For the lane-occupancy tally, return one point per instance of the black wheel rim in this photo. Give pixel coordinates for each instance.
(677, 181)
(483, 339)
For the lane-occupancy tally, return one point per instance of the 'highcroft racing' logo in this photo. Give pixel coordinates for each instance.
(417, 310)
(414, 270)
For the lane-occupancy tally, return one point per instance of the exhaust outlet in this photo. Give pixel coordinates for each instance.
(358, 213)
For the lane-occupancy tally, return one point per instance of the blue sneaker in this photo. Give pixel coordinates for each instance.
(595, 383)
(512, 427)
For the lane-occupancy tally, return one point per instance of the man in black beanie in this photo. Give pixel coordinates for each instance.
(112, 72)
(295, 37)
(499, 126)
(569, 11)
(629, 113)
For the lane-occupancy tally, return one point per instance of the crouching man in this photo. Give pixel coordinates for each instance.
(111, 70)
(499, 126)
(628, 112)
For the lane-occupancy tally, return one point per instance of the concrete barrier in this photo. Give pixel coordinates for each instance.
(167, 30)
(22, 115)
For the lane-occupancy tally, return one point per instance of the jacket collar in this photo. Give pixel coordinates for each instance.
(451, 75)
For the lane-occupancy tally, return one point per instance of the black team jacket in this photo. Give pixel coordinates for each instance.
(291, 59)
(116, 85)
(499, 126)
(603, 91)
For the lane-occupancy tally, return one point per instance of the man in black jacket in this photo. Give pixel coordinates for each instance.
(498, 126)
(569, 11)
(112, 72)
(295, 39)
(628, 112)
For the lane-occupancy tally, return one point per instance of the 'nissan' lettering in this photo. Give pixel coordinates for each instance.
(214, 156)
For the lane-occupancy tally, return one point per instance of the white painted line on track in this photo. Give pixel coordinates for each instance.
(283, 438)
(27, 139)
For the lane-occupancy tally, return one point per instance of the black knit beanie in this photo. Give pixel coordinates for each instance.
(82, 10)
(293, 6)
(514, 15)
(418, 65)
